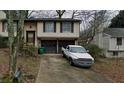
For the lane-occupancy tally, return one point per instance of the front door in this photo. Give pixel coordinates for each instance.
(30, 37)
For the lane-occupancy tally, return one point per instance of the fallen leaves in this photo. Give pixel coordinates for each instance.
(110, 68)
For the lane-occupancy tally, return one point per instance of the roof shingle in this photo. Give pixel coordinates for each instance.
(114, 32)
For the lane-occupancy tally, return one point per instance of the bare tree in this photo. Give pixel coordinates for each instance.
(74, 12)
(48, 13)
(92, 20)
(60, 13)
(14, 41)
(10, 36)
(44, 14)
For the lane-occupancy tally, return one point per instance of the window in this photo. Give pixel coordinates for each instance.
(49, 27)
(78, 50)
(115, 53)
(15, 27)
(119, 41)
(67, 27)
(5, 28)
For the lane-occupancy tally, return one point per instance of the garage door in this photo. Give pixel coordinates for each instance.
(50, 45)
(64, 43)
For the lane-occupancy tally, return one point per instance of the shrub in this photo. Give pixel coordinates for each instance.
(3, 42)
(29, 50)
(94, 50)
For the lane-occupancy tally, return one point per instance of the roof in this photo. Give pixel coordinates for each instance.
(114, 32)
(49, 19)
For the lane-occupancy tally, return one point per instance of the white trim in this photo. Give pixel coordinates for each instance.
(107, 34)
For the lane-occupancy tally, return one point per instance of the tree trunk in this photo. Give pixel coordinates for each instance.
(14, 42)
(11, 39)
(19, 38)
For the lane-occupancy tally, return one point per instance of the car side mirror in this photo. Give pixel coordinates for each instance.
(88, 51)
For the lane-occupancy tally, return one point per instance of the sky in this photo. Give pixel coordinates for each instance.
(68, 14)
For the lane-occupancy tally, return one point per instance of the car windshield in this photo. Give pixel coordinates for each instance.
(78, 50)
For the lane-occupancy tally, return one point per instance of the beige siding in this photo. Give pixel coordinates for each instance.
(38, 28)
(0, 26)
(58, 34)
(31, 26)
(2, 15)
(4, 34)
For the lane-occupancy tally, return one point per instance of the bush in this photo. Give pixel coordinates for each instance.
(3, 42)
(29, 50)
(94, 50)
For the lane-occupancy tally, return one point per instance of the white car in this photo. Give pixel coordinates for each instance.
(77, 55)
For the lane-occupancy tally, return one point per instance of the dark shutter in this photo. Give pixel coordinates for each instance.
(3, 29)
(43, 26)
(54, 26)
(72, 27)
(17, 25)
(61, 27)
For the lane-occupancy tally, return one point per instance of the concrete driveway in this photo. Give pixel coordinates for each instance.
(56, 69)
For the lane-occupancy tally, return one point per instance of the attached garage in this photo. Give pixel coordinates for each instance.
(64, 43)
(54, 46)
(50, 45)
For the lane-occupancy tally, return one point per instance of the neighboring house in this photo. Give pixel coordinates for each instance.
(2, 15)
(51, 33)
(112, 41)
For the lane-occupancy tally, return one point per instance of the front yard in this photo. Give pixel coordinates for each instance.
(54, 68)
(110, 68)
(30, 66)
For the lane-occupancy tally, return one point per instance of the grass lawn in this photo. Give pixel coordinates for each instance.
(110, 68)
(30, 66)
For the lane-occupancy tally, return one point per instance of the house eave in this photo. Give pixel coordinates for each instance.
(47, 19)
(58, 38)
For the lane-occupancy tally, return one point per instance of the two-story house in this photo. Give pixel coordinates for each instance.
(112, 41)
(51, 33)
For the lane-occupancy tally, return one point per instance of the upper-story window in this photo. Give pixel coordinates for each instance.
(5, 27)
(119, 40)
(15, 27)
(49, 27)
(66, 27)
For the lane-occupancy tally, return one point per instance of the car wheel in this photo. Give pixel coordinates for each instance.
(71, 62)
